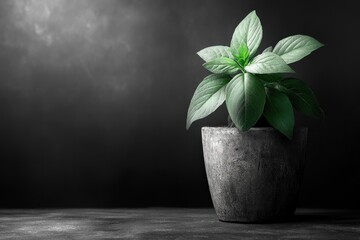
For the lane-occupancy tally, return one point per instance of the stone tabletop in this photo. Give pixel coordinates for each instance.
(171, 223)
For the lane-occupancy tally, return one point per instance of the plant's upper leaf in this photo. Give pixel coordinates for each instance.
(243, 56)
(210, 53)
(208, 96)
(301, 97)
(296, 47)
(268, 62)
(245, 100)
(222, 65)
(249, 32)
(279, 112)
(268, 49)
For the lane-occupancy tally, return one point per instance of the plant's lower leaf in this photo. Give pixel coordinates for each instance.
(245, 100)
(301, 97)
(208, 96)
(268, 49)
(279, 112)
(269, 78)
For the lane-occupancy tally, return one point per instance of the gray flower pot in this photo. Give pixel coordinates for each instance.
(253, 176)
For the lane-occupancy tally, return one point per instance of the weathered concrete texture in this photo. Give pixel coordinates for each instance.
(253, 176)
(171, 224)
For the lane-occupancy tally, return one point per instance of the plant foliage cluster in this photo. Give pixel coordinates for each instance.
(254, 85)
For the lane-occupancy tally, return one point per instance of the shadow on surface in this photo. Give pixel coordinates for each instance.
(305, 216)
(326, 216)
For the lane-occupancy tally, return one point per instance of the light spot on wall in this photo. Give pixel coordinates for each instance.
(68, 36)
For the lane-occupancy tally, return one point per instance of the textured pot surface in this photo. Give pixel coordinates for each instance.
(253, 176)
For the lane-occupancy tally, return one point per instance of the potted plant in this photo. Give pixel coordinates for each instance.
(254, 173)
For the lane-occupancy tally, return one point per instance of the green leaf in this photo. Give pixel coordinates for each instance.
(268, 49)
(269, 78)
(245, 100)
(268, 62)
(244, 55)
(301, 97)
(279, 112)
(208, 96)
(296, 47)
(222, 65)
(248, 32)
(210, 53)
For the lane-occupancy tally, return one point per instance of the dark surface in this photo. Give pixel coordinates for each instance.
(94, 95)
(179, 224)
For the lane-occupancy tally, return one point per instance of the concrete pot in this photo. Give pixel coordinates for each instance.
(253, 176)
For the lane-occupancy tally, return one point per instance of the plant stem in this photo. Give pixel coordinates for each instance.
(241, 67)
(230, 122)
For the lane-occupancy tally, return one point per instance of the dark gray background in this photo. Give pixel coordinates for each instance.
(94, 95)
